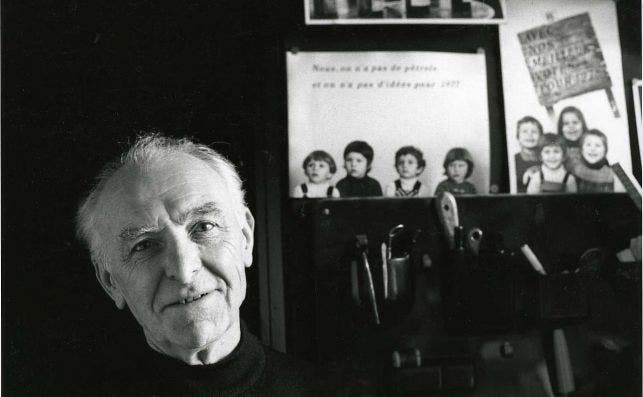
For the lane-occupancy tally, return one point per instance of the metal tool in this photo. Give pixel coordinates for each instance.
(394, 232)
(383, 251)
(390, 285)
(473, 238)
(533, 259)
(362, 246)
(448, 214)
(399, 276)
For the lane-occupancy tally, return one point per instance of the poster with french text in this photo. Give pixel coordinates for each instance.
(565, 110)
(396, 124)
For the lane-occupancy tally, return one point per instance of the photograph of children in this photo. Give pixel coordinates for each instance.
(409, 163)
(593, 171)
(551, 176)
(458, 167)
(528, 133)
(571, 126)
(358, 157)
(388, 120)
(554, 84)
(319, 168)
(404, 11)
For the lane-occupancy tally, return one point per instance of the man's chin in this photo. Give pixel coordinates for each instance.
(201, 333)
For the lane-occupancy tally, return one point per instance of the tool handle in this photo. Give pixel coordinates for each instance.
(371, 288)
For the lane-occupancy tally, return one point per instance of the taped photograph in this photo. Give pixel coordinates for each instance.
(564, 97)
(325, 12)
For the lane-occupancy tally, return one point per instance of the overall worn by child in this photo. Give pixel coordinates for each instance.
(319, 167)
(458, 166)
(571, 126)
(358, 157)
(593, 172)
(528, 131)
(552, 177)
(409, 163)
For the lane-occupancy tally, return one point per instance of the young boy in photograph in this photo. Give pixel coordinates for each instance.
(458, 166)
(319, 167)
(409, 163)
(528, 132)
(358, 157)
(552, 177)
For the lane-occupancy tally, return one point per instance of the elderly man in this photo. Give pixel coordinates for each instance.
(170, 237)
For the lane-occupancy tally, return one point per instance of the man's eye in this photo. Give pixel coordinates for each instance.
(202, 227)
(142, 246)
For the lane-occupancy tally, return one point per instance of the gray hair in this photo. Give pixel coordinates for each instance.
(147, 149)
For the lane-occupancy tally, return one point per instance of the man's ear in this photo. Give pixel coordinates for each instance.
(247, 228)
(105, 279)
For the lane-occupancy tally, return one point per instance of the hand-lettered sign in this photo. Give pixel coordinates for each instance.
(565, 60)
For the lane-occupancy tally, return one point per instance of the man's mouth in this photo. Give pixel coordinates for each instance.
(189, 299)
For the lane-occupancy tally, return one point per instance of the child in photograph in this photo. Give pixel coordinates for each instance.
(409, 163)
(552, 177)
(358, 157)
(593, 172)
(571, 126)
(528, 131)
(458, 166)
(319, 167)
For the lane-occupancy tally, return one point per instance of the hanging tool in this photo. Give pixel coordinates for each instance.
(533, 259)
(448, 214)
(383, 251)
(473, 238)
(392, 275)
(362, 247)
(394, 232)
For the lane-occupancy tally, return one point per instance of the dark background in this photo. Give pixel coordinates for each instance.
(80, 80)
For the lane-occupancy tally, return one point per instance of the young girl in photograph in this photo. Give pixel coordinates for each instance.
(458, 166)
(409, 163)
(319, 167)
(528, 131)
(593, 172)
(571, 126)
(552, 176)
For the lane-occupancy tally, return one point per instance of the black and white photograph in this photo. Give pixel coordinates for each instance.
(563, 75)
(386, 198)
(394, 124)
(404, 12)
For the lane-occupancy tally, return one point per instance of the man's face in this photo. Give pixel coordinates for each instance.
(177, 248)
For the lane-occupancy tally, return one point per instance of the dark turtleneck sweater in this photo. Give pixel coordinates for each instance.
(252, 369)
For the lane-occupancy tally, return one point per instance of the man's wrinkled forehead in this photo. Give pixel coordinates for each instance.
(134, 190)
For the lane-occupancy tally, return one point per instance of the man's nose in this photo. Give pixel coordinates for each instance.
(182, 260)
